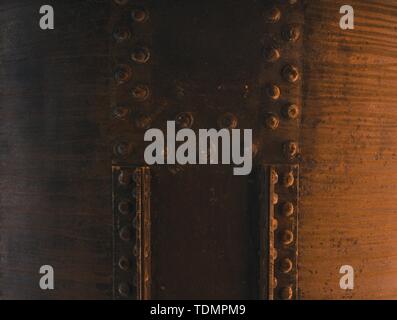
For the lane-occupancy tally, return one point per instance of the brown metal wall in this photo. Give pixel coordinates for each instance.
(349, 136)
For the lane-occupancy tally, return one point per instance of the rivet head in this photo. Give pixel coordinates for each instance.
(121, 34)
(275, 199)
(274, 176)
(184, 120)
(122, 149)
(291, 33)
(228, 121)
(273, 92)
(124, 289)
(288, 180)
(140, 55)
(124, 178)
(143, 122)
(125, 233)
(286, 265)
(288, 209)
(275, 225)
(287, 237)
(291, 149)
(271, 54)
(286, 293)
(123, 74)
(274, 254)
(290, 73)
(141, 92)
(124, 263)
(272, 121)
(121, 113)
(275, 283)
(125, 207)
(291, 111)
(139, 15)
(273, 15)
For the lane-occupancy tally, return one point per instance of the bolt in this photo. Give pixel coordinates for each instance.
(121, 112)
(272, 121)
(121, 34)
(286, 293)
(291, 111)
(275, 225)
(273, 92)
(184, 120)
(291, 33)
(288, 209)
(291, 149)
(125, 233)
(125, 207)
(290, 73)
(141, 55)
(141, 92)
(288, 180)
(287, 237)
(274, 177)
(273, 15)
(124, 263)
(124, 289)
(228, 121)
(139, 15)
(124, 178)
(122, 149)
(271, 54)
(275, 199)
(286, 265)
(123, 74)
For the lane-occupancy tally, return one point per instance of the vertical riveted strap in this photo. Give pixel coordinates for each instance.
(130, 33)
(283, 49)
(131, 216)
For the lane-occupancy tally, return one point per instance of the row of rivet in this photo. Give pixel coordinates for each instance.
(290, 74)
(286, 217)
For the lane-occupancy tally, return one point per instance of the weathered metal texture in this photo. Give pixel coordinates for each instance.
(131, 234)
(349, 141)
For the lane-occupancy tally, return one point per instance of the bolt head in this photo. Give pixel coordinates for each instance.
(125, 207)
(286, 265)
(184, 120)
(288, 209)
(121, 34)
(287, 237)
(272, 121)
(125, 233)
(288, 180)
(291, 112)
(290, 73)
(228, 121)
(124, 289)
(123, 74)
(139, 15)
(286, 293)
(140, 55)
(273, 92)
(291, 149)
(271, 54)
(291, 33)
(124, 263)
(273, 15)
(274, 177)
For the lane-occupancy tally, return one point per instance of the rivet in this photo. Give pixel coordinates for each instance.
(125, 233)
(288, 209)
(184, 120)
(122, 149)
(121, 34)
(124, 178)
(272, 121)
(271, 54)
(143, 122)
(273, 15)
(274, 254)
(291, 111)
(287, 237)
(121, 113)
(141, 55)
(273, 92)
(125, 207)
(291, 33)
(275, 283)
(141, 92)
(228, 121)
(124, 289)
(139, 15)
(290, 149)
(290, 73)
(275, 199)
(123, 74)
(288, 180)
(274, 176)
(124, 263)
(275, 224)
(286, 293)
(286, 265)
